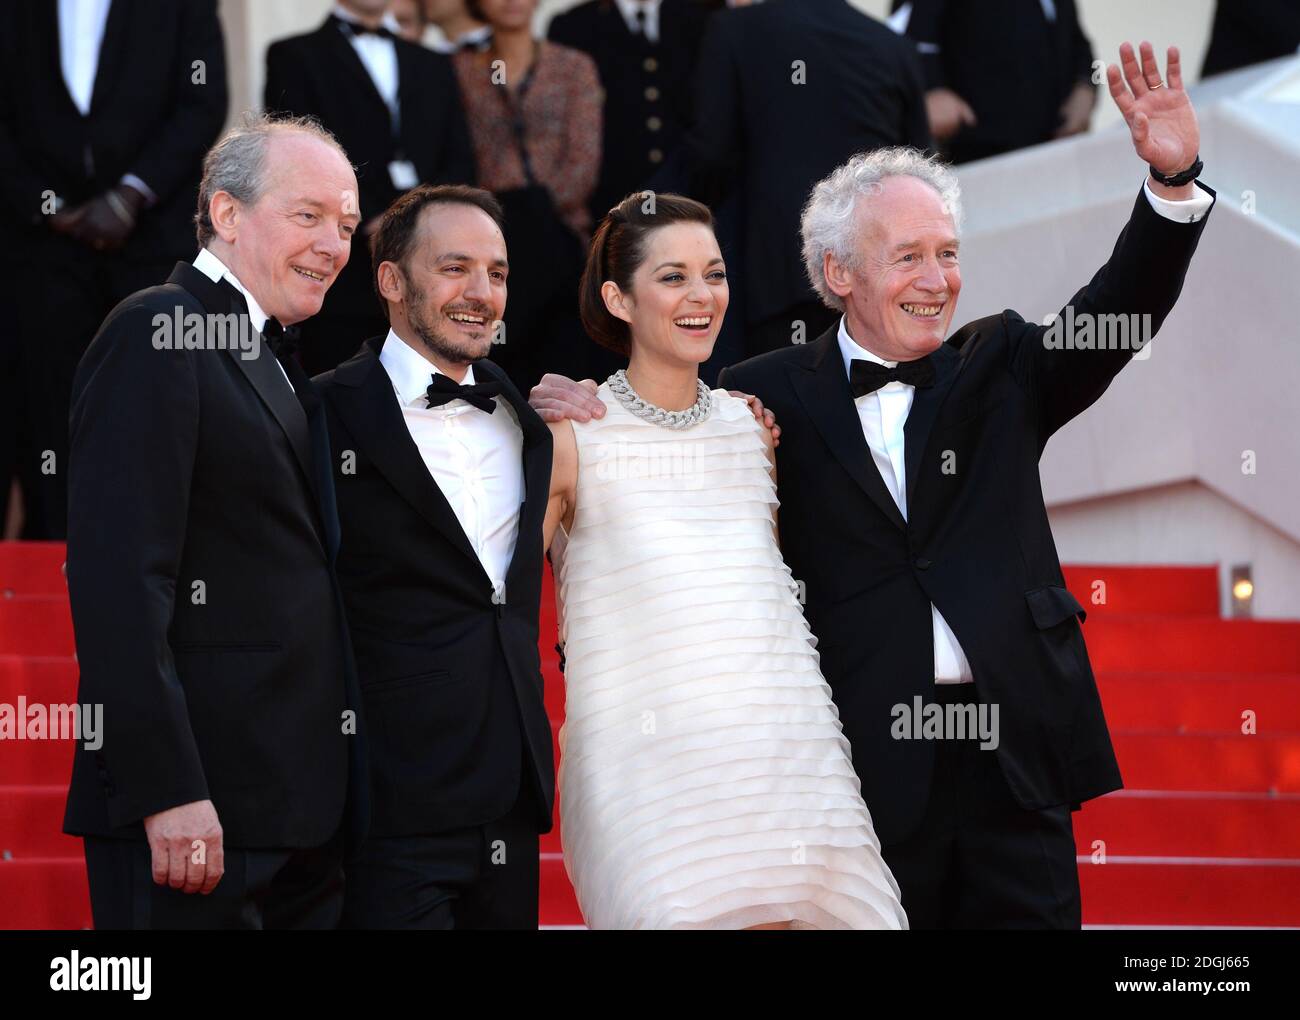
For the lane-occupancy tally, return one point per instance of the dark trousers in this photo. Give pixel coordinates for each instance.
(66, 292)
(261, 889)
(479, 877)
(980, 860)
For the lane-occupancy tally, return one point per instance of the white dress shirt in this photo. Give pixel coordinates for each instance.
(647, 8)
(81, 37)
(883, 414)
(216, 270)
(476, 459)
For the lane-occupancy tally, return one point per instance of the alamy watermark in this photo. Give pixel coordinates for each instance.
(919, 721)
(52, 722)
(1087, 331)
(208, 331)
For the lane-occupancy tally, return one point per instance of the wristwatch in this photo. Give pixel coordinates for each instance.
(1180, 178)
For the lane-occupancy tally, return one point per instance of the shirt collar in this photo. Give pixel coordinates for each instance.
(630, 8)
(216, 270)
(850, 349)
(409, 370)
(389, 22)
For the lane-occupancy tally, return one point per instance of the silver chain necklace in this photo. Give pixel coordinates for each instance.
(693, 415)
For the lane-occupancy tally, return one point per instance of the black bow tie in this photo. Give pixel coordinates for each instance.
(868, 376)
(282, 340)
(443, 389)
(355, 28)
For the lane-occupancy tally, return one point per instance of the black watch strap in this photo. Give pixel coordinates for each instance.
(1182, 177)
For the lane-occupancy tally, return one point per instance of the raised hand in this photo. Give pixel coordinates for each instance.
(1159, 115)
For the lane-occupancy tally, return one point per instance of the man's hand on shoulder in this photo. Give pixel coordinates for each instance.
(761, 414)
(557, 397)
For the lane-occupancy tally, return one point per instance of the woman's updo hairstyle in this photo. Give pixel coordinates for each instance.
(617, 251)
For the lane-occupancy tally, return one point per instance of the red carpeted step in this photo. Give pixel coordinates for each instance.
(1200, 895)
(1170, 645)
(44, 892)
(48, 680)
(1159, 761)
(1145, 590)
(548, 637)
(32, 568)
(558, 905)
(1163, 824)
(36, 625)
(36, 762)
(1201, 702)
(31, 823)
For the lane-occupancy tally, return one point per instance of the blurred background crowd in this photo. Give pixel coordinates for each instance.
(560, 112)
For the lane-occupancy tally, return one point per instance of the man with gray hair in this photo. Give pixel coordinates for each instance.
(201, 542)
(912, 514)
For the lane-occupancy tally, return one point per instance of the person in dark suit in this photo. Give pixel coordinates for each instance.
(1249, 32)
(912, 514)
(395, 107)
(785, 91)
(201, 538)
(1001, 75)
(443, 481)
(645, 54)
(105, 113)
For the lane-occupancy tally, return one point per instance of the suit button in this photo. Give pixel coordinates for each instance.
(654, 123)
(650, 64)
(651, 93)
(922, 563)
(656, 155)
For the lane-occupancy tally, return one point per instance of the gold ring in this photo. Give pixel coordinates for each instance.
(1157, 85)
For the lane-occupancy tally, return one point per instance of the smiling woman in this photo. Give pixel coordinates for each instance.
(705, 779)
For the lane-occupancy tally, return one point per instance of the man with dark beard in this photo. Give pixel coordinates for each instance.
(443, 475)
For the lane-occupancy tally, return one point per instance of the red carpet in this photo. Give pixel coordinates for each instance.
(1206, 833)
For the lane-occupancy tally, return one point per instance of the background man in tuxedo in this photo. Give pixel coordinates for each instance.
(395, 108)
(106, 109)
(443, 479)
(1000, 75)
(200, 545)
(911, 510)
(785, 91)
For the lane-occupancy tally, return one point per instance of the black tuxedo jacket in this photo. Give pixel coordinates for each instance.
(754, 124)
(148, 116)
(976, 543)
(648, 89)
(319, 74)
(201, 535)
(1008, 61)
(451, 679)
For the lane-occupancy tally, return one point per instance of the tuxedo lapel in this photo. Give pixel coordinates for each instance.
(823, 387)
(47, 29)
(926, 402)
(537, 449)
(262, 372)
(410, 98)
(367, 404)
(346, 57)
(115, 42)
